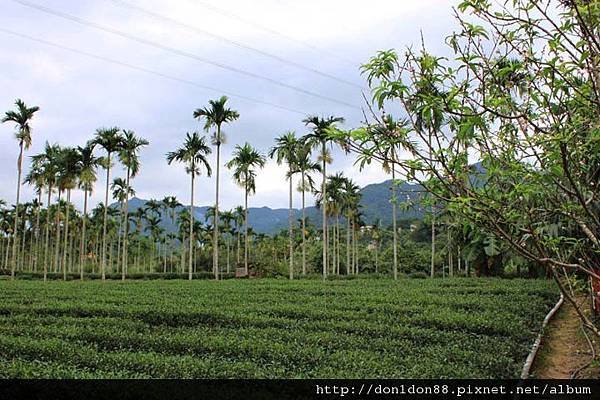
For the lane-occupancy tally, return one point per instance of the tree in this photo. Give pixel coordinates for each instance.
(534, 186)
(171, 204)
(227, 217)
(69, 167)
(111, 141)
(305, 166)
(239, 214)
(244, 162)
(47, 162)
(36, 178)
(388, 127)
(215, 115)
(350, 199)
(193, 154)
(285, 150)
(22, 119)
(87, 178)
(128, 155)
(319, 137)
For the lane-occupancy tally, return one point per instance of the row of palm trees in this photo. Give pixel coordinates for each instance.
(65, 169)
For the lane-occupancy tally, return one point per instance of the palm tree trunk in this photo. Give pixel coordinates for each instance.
(216, 216)
(82, 244)
(394, 223)
(191, 255)
(15, 231)
(228, 251)
(47, 234)
(246, 229)
(324, 193)
(355, 248)
(103, 265)
(303, 229)
(432, 242)
(291, 218)
(239, 234)
(337, 241)
(57, 237)
(119, 236)
(65, 241)
(36, 247)
(126, 228)
(348, 244)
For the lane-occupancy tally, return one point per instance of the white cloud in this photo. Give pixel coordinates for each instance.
(78, 94)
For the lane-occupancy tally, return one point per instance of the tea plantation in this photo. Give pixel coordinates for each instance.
(479, 328)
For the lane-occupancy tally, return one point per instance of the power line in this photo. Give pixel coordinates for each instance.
(178, 52)
(149, 71)
(272, 31)
(232, 42)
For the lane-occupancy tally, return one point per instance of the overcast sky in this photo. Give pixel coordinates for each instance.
(78, 94)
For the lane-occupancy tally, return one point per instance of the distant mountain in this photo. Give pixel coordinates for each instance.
(375, 205)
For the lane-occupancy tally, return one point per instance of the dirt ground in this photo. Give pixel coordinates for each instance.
(565, 352)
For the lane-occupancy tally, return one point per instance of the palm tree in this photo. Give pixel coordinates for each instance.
(111, 141)
(193, 153)
(350, 204)
(245, 160)
(285, 150)
(121, 191)
(22, 118)
(331, 200)
(305, 166)
(319, 137)
(128, 155)
(36, 178)
(69, 170)
(87, 177)
(48, 163)
(139, 217)
(216, 114)
(170, 203)
(389, 128)
(227, 217)
(238, 213)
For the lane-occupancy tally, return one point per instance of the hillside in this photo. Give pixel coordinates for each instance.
(375, 205)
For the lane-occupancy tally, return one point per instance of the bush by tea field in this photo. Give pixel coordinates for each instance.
(480, 328)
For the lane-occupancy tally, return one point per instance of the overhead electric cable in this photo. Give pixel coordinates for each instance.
(272, 31)
(179, 52)
(204, 32)
(149, 71)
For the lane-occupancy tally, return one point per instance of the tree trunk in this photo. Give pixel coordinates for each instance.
(103, 264)
(216, 216)
(57, 237)
(432, 242)
(191, 255)
(291, 233)
(65, 241)
(47, 234)
(15, 231)
(126, 229)
(303, 229)
(394, 223)
(348, 244)
(324, 213)
(82, 245)
(36, 248)
(246, 229)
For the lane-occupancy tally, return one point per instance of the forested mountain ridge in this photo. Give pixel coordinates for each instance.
(375, 205)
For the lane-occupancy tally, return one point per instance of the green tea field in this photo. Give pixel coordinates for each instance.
(359, 328)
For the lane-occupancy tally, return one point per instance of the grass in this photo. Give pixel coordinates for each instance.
(477, 328)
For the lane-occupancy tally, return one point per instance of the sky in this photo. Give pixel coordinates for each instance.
(163, 68)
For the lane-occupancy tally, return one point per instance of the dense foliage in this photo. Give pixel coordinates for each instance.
(270, 328)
